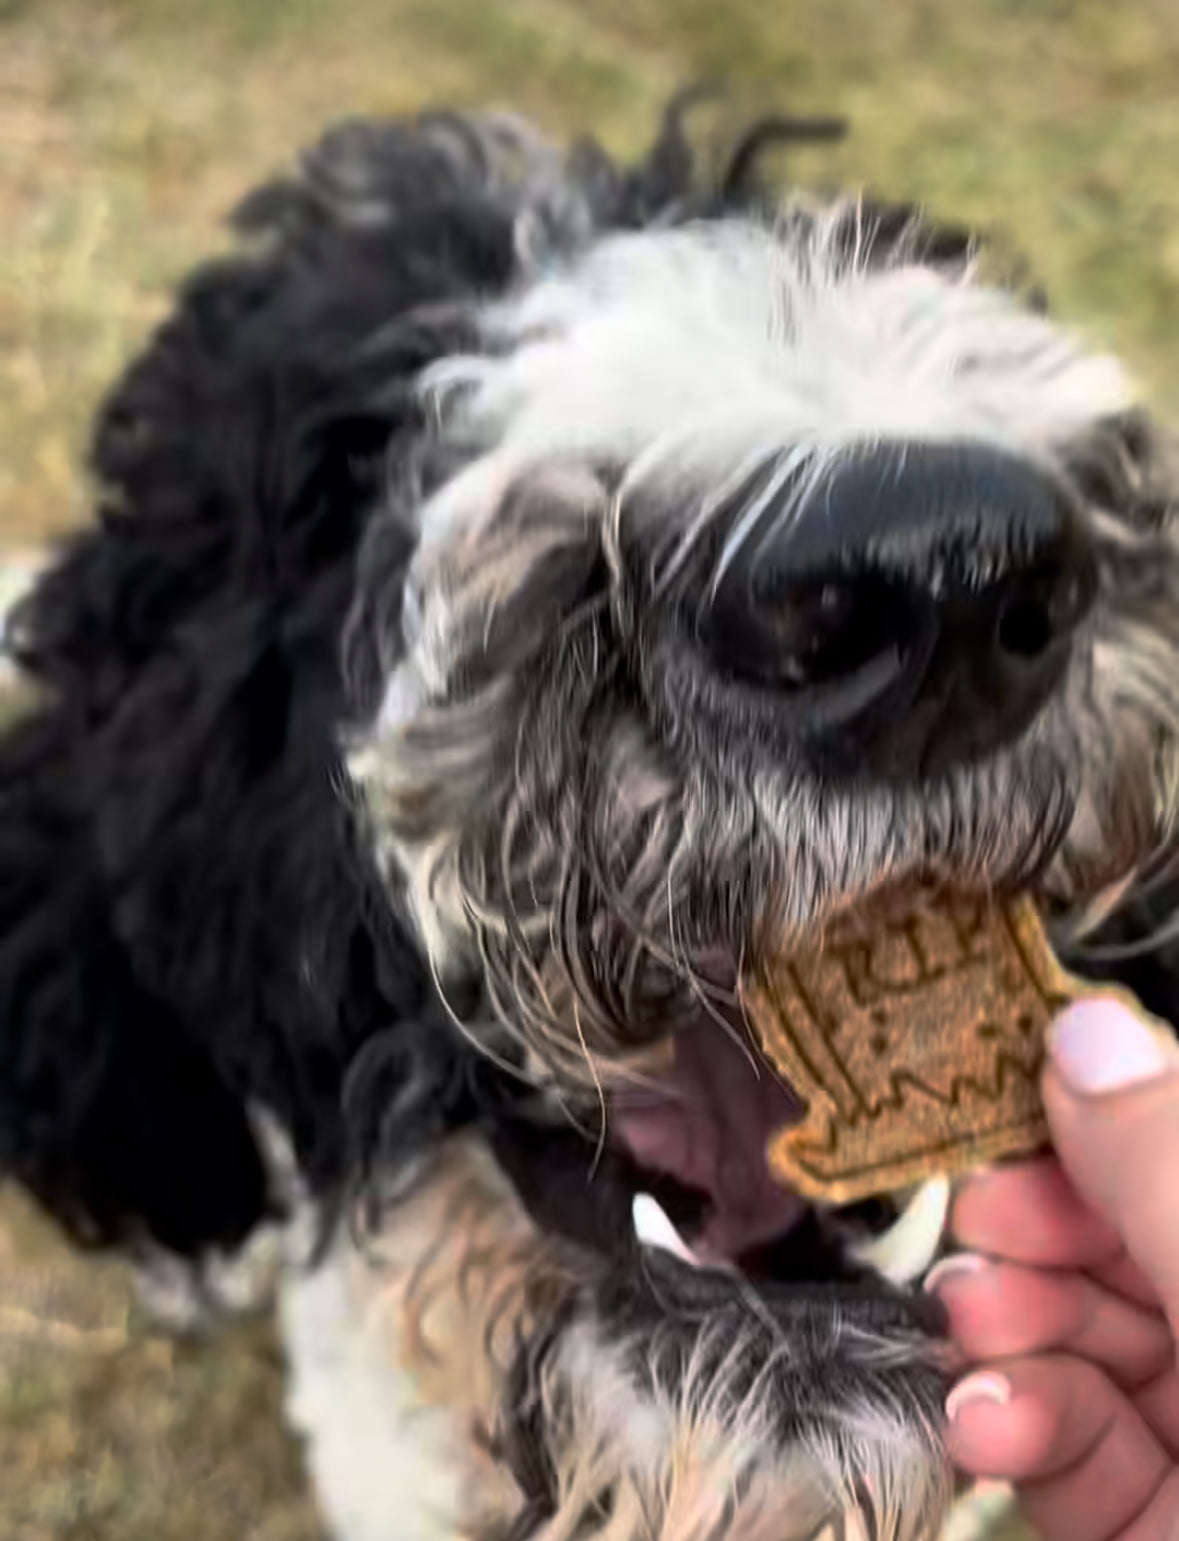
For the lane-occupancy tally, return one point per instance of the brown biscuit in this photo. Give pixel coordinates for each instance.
(915, 1036)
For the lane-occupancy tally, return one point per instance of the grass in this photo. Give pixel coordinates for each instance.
(108, 1433)
(127, 127)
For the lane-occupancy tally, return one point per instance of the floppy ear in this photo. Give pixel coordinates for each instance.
(189, 928)
(111, 1114)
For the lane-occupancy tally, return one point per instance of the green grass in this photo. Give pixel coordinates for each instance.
(127, 127)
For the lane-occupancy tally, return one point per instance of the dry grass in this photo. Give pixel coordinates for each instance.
(128, 126)
(110, 1434)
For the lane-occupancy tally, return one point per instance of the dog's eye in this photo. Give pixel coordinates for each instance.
(795, 636)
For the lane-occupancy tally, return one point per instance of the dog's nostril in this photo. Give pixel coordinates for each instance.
(804, 636)
(1043, 608)
(816, 635)
(1025, 628)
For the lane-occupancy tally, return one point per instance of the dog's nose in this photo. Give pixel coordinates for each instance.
(912, 607)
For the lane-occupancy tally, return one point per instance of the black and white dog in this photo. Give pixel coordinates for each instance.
(525, 590)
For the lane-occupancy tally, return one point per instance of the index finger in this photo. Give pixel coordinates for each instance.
(1029, 1212)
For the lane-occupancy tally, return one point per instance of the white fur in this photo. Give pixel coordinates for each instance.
(683, 354)
(381, 1462)
(182, 1296)
(600, 1372)
(18, 573)
(690, 356)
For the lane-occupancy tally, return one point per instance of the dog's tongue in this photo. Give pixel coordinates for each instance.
(707, 1125)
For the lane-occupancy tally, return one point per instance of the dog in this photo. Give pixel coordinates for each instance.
(526, 591)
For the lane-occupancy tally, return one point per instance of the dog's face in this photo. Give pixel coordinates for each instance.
(757, 567)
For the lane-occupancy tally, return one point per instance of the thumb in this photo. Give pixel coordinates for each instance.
(1111, 1092)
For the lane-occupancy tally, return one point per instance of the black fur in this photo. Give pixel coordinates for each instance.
(188, 925)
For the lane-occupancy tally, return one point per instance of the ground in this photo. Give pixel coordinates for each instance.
(127, 127)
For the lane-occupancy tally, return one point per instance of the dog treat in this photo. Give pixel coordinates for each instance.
(915, 1037)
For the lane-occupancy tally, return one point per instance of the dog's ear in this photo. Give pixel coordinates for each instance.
(188, 927)
(111, 1114)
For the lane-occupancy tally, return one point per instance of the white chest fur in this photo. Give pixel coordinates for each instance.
(383, 1464)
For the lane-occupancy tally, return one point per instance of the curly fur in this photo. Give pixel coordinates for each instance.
(383, 806)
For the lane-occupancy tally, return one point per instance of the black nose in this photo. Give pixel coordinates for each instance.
(912, 607)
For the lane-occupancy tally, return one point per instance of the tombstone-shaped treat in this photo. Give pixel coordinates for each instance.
(915, 1036)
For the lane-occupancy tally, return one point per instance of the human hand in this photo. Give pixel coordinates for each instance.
(1066, 1299)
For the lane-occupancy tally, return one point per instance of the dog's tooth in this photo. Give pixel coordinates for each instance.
(654, 1229)
(909, 1246)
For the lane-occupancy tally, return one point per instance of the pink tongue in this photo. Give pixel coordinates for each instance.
(707, 1125)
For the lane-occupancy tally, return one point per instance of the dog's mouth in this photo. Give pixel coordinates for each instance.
(934, 1002)
(702, 1130)
(705, 1124)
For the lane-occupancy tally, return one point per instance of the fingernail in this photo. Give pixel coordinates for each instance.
(986, 1386)
(959, 1264)
(1100, 1046)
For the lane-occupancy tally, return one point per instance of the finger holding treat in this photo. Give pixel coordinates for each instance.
(916, 1039)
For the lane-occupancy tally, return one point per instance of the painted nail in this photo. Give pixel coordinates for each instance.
(1100, 1046)
(958, 1264)
(985, 1386)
